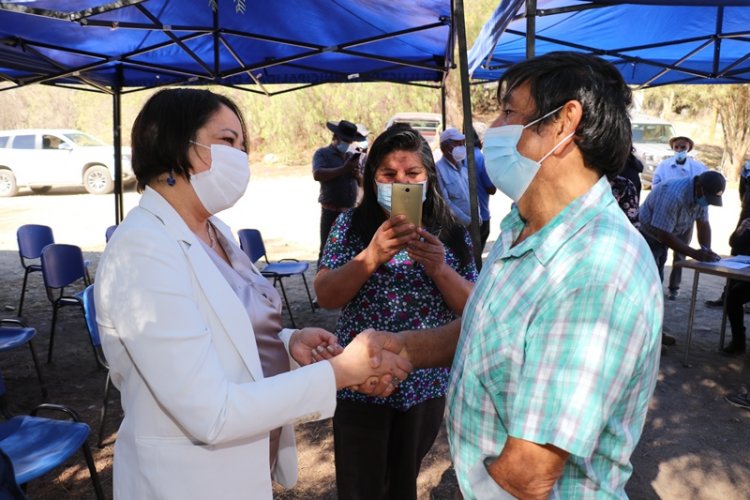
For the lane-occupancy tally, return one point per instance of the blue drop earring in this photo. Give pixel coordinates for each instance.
(170, 179)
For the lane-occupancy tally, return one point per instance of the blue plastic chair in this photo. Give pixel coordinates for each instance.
(36, 445)
(89, 309)
(251, 243)
(32, 238)
(62, 266)
(17, 335)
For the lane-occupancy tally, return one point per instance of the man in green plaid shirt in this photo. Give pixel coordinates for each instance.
(560, 340)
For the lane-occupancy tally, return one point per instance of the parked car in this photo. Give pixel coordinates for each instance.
(651, 142)
(45, 158)
(427, 124)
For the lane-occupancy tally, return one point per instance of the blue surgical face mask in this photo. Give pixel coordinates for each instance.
(702, 201)
(385, 191)
(459, 153)
(509, 170)
(681, 156)
(343, 147)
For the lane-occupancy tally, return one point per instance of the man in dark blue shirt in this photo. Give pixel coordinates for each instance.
(337, 170)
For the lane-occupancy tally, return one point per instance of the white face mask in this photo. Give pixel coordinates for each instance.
(219, 187)
(459, 153)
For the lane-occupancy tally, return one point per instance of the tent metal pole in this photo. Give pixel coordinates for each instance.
(530, 28)
(117, 140)
(442, 104)
(463, 70)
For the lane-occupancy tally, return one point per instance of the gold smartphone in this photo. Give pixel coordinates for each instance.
(406, 199)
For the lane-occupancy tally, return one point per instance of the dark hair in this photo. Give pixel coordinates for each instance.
(604, 133)
(436, 215)
(166, 124)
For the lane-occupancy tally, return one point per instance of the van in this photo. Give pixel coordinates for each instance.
(428, 125)
(41, 159)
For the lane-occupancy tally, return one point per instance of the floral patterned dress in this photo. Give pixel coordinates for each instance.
(627, 197)
(398, 296)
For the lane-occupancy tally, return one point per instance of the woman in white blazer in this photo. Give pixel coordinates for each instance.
(182, 313)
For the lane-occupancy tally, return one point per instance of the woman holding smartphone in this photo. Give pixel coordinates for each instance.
(392, 275)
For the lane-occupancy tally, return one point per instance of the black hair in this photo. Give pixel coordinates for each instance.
(604, 134)
(166, 124)
(436, 215)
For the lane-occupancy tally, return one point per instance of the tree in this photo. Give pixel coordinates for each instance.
(733, 103)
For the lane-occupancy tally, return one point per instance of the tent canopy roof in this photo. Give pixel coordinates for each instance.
(651, 42)
(137, 44)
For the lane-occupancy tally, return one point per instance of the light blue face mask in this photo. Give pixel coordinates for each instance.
(343, 147)
(681, 156)
(509, 170)
(702, 201)
(385, 192)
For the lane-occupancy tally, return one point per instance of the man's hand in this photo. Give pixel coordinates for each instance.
(377, 342)
(351, 164)
(313, 344)
(366, 360)
(707, 255)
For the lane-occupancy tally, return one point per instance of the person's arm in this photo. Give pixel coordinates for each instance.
(738, 237)
(322, 174)
(528, 470)
(430, 252)
(463, 217)
(428, 348)
(671, 241)
(153, 328)
(336, 287)
(704, 232)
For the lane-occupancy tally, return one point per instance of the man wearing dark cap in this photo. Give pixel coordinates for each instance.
(671, 209)
(679, 166)
(336, 167)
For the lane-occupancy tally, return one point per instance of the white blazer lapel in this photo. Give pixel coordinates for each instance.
(220, 295)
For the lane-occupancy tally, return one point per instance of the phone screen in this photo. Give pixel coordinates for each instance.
(406, 199)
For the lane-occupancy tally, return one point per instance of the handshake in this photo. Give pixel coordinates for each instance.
(374, 363)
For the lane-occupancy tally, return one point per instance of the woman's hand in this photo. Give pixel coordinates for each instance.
(391, 237)
(429, 251)
(362, 363)
(313, 344)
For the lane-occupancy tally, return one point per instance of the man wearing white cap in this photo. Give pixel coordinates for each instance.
(453, 174)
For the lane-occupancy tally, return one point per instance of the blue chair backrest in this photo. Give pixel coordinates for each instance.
(62, 265)
(32, 238)
(109, 232)
(89, 310)
(252, 243)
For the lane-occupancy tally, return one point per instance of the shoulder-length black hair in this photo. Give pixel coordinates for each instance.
(166, 124)
(436, 215)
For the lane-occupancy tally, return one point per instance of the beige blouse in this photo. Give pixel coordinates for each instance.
(263, 305)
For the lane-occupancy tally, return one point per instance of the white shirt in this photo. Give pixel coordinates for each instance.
(669, 169)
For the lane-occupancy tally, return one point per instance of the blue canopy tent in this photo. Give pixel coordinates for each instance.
(652, 42)
(123, 46)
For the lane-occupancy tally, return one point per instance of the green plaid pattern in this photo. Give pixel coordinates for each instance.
(560, 344)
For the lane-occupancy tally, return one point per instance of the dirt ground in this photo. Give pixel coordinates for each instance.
(694, 445)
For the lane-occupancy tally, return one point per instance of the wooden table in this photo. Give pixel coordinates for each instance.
(716, 269)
